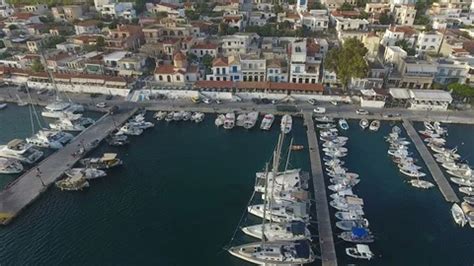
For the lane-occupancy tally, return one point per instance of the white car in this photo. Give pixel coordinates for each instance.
(207, 101)
(101, 105)
(312, 101)
(319, 110)
(362, 112)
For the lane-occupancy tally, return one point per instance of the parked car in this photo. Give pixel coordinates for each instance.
(207, 100)
(101, 105)
(312, 101)
(319, 110)
(109, 97)
(362, 112)
(335, 103)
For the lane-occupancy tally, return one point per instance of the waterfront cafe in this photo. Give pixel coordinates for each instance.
(420, 99)
(260, 87)
(372, 98)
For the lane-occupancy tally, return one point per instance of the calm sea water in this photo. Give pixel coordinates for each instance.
(183, 188)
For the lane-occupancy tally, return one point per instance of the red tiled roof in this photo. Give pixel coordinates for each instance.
(405, 29)
(87, 23)
(220, 61)
(165, 69)
(23, 15)
(348, 14)
(205, 46)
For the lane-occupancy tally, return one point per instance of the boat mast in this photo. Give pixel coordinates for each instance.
(265, 203)
(289, 153)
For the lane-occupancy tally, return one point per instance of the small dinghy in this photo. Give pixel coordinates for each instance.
(343, 124)
(364, 123)
(375, 125)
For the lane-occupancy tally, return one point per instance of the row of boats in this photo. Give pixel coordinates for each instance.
(284, 237)
(249, 120)
(402, 157)
(135, 126)
(349, 206)
(461, 173)
(196, 117)
(373, 126)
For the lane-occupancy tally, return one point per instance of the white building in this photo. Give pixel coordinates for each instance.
(344, 24)
(398, 33)
(119, 10)
(394, 55)
(100, 3)
(428, 42)
(303, 68)
(235, 44)
(253, 67)
(404, 14)
(316, 20)
(5, 9)
(226, 69)
(451, 71)
(277, 70)
(429, 100)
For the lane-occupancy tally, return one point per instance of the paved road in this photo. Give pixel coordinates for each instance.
(25, 189)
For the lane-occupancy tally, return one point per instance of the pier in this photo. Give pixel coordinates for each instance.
(326, 240)
(26, 188)
(436, 173)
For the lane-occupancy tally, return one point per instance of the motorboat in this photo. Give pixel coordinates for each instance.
(458, 215)
(3, 106)
(178, 116)
(59, 109)
(72, 183)
(374, 125)
(325, 126)
(468, 213)
(267, 122)
(10, 166)
(429, 134)
(290, 179)
(20, 150)
(335, 154)
(453, 166)
(88, 173)
(197, 117)
(364, 123)
(289, 231)
(160, 115)
(141, 124)
(324, 119)
(282, 212)
(421, 183)
(333, 144)
(186, 116)
(229, 121)
(435, 141)
(469, 200)
(67, 124)
(345, 181)
(396, 130)
(463, 181)
(360, 251)
(129, 129)
(250, 120)
(467, 190)
(343, 124)
(468, 174)
(286, 124)
(338, 187)
(347, 225)
(107, 161)
(408, 166)
(412, 172)
(275, 252)
(219, 120)
(169, 117)
(240, 119)
(343, 193)
(357, 235)
(50, 139)
(117, 140)
(350, 215)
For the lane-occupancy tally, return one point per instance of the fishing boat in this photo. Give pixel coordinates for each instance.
(357, 235)
(350, 215)
(117, 140)
(72, 183)
(275, 252)
(250, 120)
(458, 215)
(160, 115)
(10, 166)
(360, 251)
(107, 161)
(289, 231)
(469, 200)
(88, 173)
(364, 123)
(467, 190)
(374, 125)
(468, 213)
(323, 119)
(347, 225)
(343, 124)
(219, 120)
(229, 121)
(197, 117)
(421, 183)
(20, 150)
(286, 124)
(267, 122)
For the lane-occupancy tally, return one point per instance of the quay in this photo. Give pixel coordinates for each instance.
(326, 240)
(436, 173)
(26, 188)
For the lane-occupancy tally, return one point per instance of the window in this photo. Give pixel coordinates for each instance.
(270, 71)
(223, 71)
(160, 78)
(178, 78)
(433, 40)
(234, 69)
(236, 77)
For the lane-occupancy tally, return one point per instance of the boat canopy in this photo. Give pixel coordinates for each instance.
(363, 249)
(298, 228)
(302, 249)
(354, 200)
(109, 156)
(359, 232)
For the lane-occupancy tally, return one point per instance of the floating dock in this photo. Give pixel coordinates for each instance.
(436, 173)
(326, 240)
(26, 188)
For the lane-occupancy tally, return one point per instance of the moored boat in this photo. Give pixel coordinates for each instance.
(343, 124)
(360, 251)
(357, 235)
(467, 190)
(267, 122)
(421, 183)
(374, 125)
(10, 166)
(294, 230)
(72, 183)
(364, 123)
(229, 121)
(107, 161)
(219, 120)
(458, 215)
(87, 173)
(286, 124)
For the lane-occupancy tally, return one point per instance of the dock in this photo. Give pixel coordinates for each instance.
(433, 167)
(26, 188)
(326, 240)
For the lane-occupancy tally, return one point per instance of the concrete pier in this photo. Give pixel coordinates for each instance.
(26, 188)
(433, 167)
(326, 240)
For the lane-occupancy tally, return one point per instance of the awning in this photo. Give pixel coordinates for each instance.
(398, 93)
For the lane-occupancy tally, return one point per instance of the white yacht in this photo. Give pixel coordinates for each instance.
(219, 120)
(3, 105)
(88, 173)
(412, 172)
(286, 124)
(229, 121)
(282, 212)
(275, 252)
(250, 120)
(58, 109)
(67, 124)
(350, 215)
(240, 119)
(267, 122)
(421, 183)
(458, 215)
(467, 190)
(290, 231)
(50, 139)
(20, 150)
(129, 129)
(10, 166)
(141, 124)
(364, 123)
(360, 251)
(374, 125)
(290, 179)
(463, 181)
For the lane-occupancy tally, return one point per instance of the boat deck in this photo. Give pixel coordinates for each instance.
(433, 167)
(26, 188)
(326, 240)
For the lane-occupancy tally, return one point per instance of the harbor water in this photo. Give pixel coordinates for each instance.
(183, 188)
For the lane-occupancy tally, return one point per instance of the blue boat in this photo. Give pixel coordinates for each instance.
(343, 124)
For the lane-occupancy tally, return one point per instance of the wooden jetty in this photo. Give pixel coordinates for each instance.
(326, 240)
(26, 188)
(433, 167)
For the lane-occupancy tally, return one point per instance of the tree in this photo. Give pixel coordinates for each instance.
(12, 27)
(363, 15)
(207, 62)
(385, 19)
(346, 7)
(291, 2)
(278, 9)
(348, 61)
(100, 43)
(2, 44)
(406, 46)
(192, 15)
(36, 66)
(191, 58)
(462, 90)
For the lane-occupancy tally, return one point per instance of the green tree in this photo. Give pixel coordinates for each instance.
(291, 2)
(53, 40)
(363, 15)
(348, 61)
(2, 44)
(346, 7)
(385, 19)
(406, 46)
(100, 43)
(207, 62)
(12, 27)
(278, 8)
(192, 15)
(191, 58)
(36, 66)
(462, 90)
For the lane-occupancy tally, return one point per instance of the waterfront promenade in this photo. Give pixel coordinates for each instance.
(436, 173)
(25, 189)
(326, 240)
